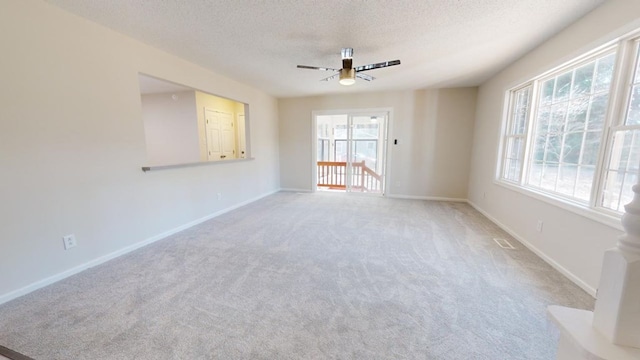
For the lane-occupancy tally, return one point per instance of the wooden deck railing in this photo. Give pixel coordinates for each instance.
(333, 174)
(370, 181)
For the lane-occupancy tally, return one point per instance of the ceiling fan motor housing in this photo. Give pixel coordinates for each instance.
(347, 76)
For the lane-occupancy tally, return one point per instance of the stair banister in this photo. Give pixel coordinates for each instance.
(612, 331)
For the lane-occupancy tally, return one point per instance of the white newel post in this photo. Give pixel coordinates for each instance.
(612, 331)
(617, 312)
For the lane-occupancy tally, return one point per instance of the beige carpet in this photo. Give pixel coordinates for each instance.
(306, 276)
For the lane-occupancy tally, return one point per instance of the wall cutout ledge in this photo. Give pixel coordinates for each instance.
(176, 166)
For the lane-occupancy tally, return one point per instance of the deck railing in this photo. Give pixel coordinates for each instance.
(333, 175)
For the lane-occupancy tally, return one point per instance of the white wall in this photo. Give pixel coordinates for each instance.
(433, 127)
(171, 128)
(573, 243)
(72, 146)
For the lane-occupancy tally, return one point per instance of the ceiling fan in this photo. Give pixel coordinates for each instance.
(348, 73)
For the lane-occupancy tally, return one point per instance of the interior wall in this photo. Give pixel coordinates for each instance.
(72, 146)
(171, 128)
(571, 242)
(434, 129)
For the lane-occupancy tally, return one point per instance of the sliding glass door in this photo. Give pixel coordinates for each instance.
(351, 151)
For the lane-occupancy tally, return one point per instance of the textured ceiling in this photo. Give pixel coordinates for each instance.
(440, 42)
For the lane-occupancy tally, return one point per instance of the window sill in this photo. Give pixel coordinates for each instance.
(602, 217)
(201, 163)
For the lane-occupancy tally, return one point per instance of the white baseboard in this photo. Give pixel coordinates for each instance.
(393, 196)
(295, 190)
(571, 276)
(95, 262)
(430, 198)
(102, 259)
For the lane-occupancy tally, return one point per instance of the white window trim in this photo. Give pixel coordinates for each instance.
(506, 133)
(608, 218)
(620, 94)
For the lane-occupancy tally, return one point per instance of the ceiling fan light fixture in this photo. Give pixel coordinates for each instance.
(348, 73)
(347, 77)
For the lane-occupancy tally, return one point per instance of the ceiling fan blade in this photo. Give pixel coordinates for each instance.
(331, 77)
(348, 73)
(365, 77)
(316, 68)
(377, 66)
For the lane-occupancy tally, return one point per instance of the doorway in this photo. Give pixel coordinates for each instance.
(350, 152)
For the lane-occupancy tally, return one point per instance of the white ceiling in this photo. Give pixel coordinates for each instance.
(441, 43)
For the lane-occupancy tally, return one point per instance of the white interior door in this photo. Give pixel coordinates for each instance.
(221, 135)
(228, 136)
(214, 134)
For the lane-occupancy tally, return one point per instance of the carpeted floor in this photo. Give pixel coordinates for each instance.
(8, 354)
(306, 276)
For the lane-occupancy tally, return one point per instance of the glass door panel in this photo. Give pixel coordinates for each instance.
(367, 137)
(351, 149)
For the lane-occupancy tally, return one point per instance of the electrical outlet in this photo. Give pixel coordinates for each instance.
(69, 241)
(539, 226)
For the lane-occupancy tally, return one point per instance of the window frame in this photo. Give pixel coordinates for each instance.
(512, 102)
(627, 64)
(573, 65)
(626, 50)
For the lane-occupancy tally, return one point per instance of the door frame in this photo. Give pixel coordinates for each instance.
(351, 112)
(221, 134)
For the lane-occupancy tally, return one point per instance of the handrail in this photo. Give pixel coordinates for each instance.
(367, 182)
(332, 163)
(366, 169)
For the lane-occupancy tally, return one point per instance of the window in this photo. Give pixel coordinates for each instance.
(562, 138)
(621, 170)
(515, 135)
(568, 128)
